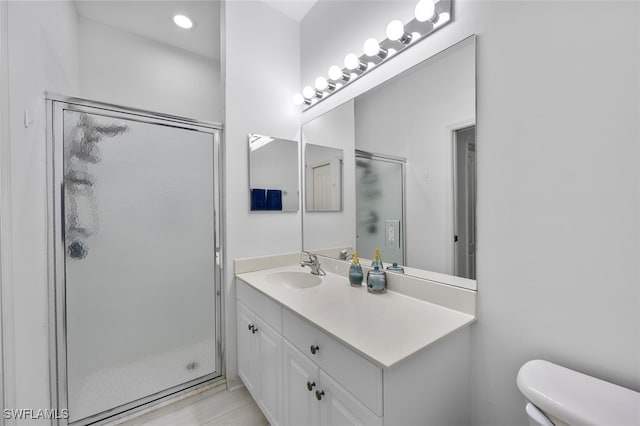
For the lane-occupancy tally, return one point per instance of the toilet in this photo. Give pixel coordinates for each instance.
(558, 396)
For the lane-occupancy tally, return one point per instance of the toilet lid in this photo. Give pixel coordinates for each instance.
(577, 398)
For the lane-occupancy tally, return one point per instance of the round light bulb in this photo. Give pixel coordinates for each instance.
(298, 99)
(308, 92)
(351, 61)
(443, 18)
(395, 30)
(371, 47)
(425, 10)
(321, 83)
(183, 21)
(335, 73)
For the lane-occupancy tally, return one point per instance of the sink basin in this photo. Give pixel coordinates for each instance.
(294, 280)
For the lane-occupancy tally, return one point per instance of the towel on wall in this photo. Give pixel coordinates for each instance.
(258, 199)
(274, 199)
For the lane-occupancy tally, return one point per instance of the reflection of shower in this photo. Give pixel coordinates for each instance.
(82, 150)
(368, 186)
(380, 205)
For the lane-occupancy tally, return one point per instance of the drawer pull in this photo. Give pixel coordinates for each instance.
(254, 330)
(310, 385)
(250, 327)
(319, 395)
(314, 349)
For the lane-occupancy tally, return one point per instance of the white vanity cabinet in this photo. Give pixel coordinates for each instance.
(312, 397)
(300, 374)
(260, 361)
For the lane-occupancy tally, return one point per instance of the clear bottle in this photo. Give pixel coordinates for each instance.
(355, 271)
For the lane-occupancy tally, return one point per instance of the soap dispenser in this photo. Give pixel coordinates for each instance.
(355, 271)
(377, 261)
(377, 278)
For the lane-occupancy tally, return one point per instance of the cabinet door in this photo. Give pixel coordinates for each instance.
(269, 371)
(246, 348)
(339, 408)
(301, 408)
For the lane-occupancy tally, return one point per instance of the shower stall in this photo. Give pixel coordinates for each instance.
(135, 266)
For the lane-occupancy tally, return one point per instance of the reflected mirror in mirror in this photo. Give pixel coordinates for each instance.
(273, 174)
(323, 178)
(413, 177)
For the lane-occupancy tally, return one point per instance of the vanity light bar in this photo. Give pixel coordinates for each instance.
(430, 15)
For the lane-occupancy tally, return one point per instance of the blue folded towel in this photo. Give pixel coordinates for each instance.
(258, 199)
(274, 199)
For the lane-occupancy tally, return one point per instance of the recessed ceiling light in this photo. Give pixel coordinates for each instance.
(183, 21)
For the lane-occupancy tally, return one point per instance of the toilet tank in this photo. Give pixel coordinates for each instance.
(568, 397)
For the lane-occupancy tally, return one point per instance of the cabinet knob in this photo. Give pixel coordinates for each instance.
(319, 395)
(310, 385)
(314, 349)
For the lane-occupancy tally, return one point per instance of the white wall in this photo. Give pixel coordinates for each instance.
(261, 66)
(42, 56)
(335, 130)
(413, 117)
(126, 69)
(558, 182)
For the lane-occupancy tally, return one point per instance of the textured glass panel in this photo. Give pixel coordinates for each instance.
(139, 236)
(378, 199)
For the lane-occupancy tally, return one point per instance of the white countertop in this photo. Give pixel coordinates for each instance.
(385, 328)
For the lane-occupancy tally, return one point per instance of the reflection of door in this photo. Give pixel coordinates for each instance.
(322, 187)
(465, 202)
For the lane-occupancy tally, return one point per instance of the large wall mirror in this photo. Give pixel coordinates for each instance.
(409, 171)
(273, 174)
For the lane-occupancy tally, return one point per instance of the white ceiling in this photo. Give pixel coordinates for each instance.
(296, 9)
(154, 20)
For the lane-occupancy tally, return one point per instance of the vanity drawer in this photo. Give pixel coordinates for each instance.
(266, 308)
(355, 373)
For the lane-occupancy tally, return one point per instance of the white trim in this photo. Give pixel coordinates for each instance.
(8, 382)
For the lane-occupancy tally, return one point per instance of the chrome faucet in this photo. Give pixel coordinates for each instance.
(314, 264)
(345, 255)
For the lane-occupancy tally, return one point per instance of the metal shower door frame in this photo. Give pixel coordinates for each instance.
(55, 107)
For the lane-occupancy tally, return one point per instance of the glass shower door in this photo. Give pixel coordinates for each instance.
(140, 286)
(380, 207)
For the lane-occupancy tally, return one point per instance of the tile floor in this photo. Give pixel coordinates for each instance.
(224, 408)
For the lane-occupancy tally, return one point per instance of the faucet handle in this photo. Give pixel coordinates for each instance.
(312, 257)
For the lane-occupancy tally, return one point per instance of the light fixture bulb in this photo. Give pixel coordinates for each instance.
(425, 10)
(321, 83)
(308, 92)
(395, 30)
(371, 47)
(183, 21)
(298, 99)
(443, 18)
(335, 73)
(351, 61)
